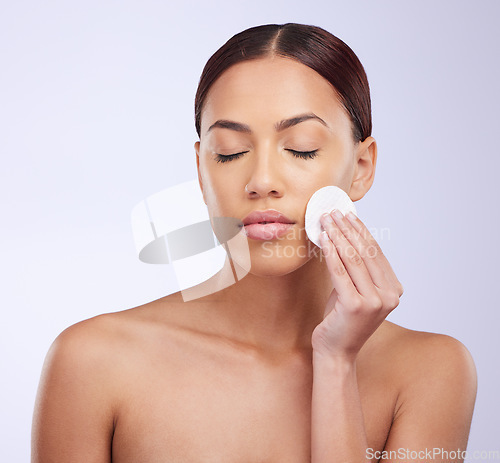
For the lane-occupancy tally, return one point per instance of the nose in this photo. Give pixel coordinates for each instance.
(266, 178)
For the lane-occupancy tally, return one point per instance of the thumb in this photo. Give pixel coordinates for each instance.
(330, 304)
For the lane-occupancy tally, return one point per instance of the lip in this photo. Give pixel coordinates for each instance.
(270, 215)
(277, 224)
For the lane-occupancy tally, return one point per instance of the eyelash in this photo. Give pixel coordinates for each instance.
(298, 154)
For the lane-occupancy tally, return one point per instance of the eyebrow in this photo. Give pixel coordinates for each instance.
(279, 126)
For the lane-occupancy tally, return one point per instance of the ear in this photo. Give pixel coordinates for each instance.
(364, 169)
(200, 181)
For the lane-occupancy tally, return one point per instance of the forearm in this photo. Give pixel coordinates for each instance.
(337, 427)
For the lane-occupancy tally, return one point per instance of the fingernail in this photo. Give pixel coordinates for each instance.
(351, 216)
(338, 214)
(327, 218)
(323, 237)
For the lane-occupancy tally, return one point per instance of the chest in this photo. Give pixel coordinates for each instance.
(228, 412)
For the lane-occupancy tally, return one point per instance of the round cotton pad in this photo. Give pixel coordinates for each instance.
(325, 200)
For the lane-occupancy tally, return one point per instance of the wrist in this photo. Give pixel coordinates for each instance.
(334, 360)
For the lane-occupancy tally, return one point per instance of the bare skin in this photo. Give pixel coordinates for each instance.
(154, 384)
(243, 374)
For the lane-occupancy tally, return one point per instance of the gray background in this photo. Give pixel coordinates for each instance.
(96, 114)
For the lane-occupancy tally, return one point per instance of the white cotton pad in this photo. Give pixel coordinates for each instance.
(325, 200)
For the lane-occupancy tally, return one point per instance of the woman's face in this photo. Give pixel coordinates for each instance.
(259, 94)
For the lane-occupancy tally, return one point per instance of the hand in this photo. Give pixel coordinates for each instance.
(365, 290)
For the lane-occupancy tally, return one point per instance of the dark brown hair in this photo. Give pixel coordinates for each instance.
(310, 45)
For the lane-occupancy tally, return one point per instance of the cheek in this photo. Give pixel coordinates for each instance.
(220, 192)
(305, 186)
(336, 172)
(305, 183)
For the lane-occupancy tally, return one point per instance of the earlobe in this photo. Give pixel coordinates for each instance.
(200, 181)
(364, 170)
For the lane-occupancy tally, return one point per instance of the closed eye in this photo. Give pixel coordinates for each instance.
(304, 154)
(229, 157)
(298, 154)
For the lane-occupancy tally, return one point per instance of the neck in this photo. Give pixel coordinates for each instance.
(273, 313)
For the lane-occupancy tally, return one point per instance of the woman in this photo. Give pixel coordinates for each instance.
(295, 362)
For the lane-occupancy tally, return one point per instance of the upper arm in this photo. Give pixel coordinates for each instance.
(435, 406)
(73, 416)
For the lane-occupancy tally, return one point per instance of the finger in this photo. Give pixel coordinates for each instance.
(350, 257)
(330, 304)
(365, 250)
(374, 252)
(340, 277)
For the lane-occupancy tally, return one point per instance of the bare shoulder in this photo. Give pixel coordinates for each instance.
(427, 363)
(81, 389)
(117, 342)
(100, 343)
(432, 378)
(96, 338)
(106, 336)
(87, 355)
(421, 350)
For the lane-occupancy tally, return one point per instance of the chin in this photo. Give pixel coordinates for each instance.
(279, 257)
